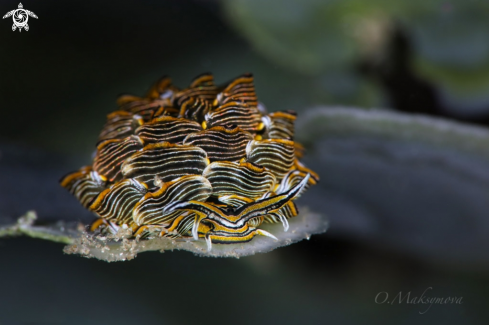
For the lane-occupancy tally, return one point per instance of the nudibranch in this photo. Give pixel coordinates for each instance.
(206, 162)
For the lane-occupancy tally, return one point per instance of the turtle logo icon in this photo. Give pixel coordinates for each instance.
(20, 17)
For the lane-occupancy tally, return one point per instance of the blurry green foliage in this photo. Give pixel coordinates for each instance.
(450, 38)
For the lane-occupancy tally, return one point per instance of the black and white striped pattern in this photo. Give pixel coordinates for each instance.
(242, 179)
(247, 118)
(84, 184)
(186, 188)
(202, 87)
(182, 227)
(204, 161)
(274, 154)
(281, 215)
(117, 203)
(293, 178)
(234, 200)
(195, 109)
(120, 125)
(234, 221)
(165, 160)
(170, 129)
(221, 143)
(255, 222)
(280, 125)
(144, 107)
(240, 89)
(112, 153)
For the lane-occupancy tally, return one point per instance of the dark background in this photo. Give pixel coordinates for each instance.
(60, 79)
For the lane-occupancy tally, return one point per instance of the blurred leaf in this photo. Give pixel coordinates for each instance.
(409, 183)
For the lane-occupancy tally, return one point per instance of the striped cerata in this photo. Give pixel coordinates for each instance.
(203, 163)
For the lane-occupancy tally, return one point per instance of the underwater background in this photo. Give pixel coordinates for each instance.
(393, 106)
